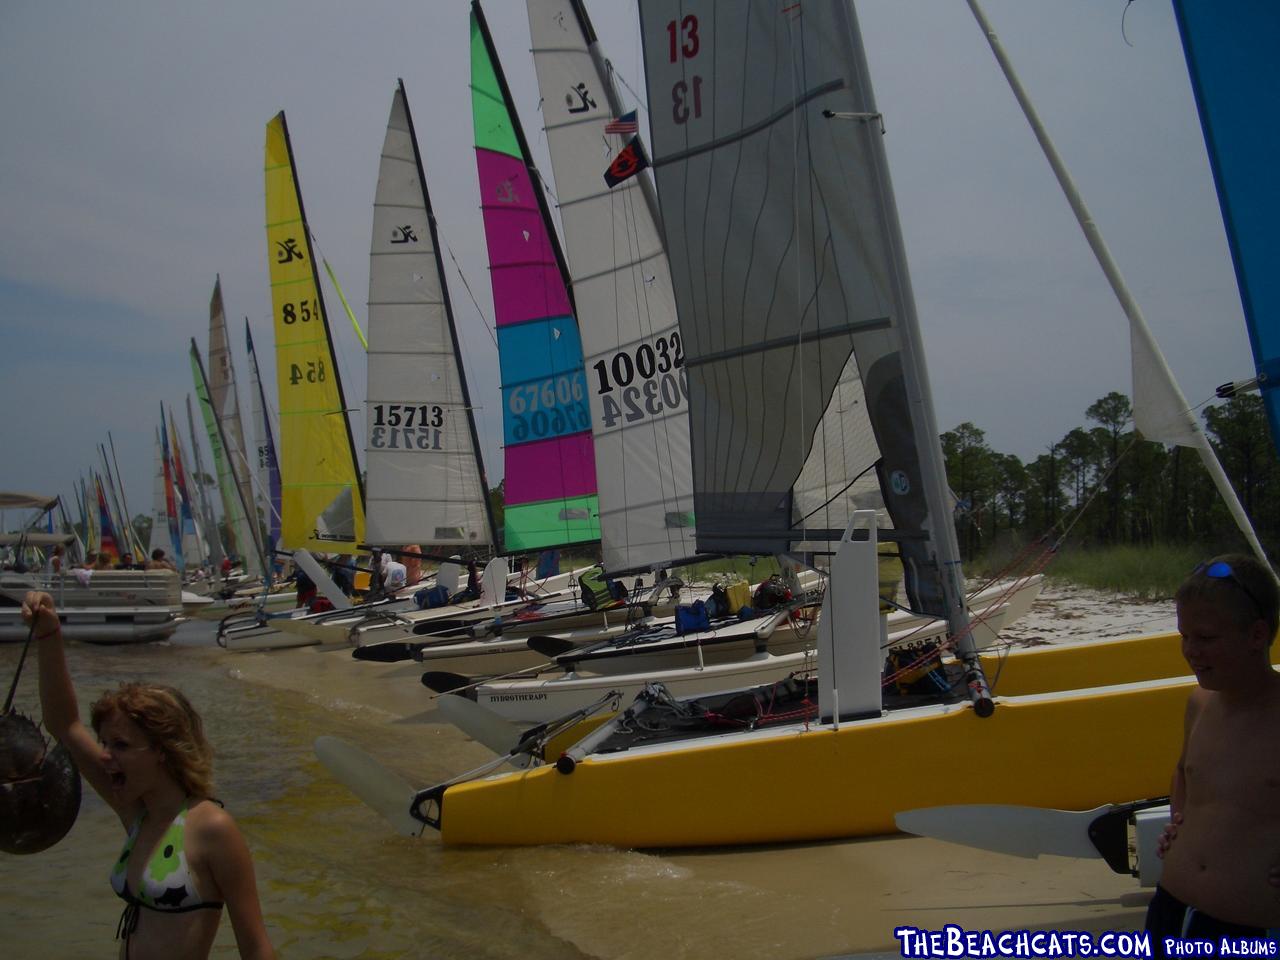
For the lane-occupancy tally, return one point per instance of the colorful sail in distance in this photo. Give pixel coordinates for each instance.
(171, 499)
(192, 541)
(232, 511)
(107, 543)
(266, 466)
(226, 407)
(1231, 56)
(321, 497)
(426, 482)
(623, 297)
(550, 482)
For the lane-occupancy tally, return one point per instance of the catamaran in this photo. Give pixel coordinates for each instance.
(795, 304)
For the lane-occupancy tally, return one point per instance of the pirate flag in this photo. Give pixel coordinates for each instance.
(627, 163)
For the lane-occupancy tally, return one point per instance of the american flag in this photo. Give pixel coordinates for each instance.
(625, 124)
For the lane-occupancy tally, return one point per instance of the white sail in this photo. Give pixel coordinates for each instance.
(633, 356)
(425, 481)
(226, 408)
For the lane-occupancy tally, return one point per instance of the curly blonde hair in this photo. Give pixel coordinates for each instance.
(171, 724)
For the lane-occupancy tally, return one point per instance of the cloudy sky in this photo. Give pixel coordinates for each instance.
(131, 174)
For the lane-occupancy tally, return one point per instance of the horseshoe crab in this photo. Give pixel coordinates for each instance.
(39, 787)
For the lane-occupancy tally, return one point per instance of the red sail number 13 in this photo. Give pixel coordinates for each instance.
(684, 42)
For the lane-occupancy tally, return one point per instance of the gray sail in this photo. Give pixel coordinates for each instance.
(799, 327)
(426, 483)
(626, 313)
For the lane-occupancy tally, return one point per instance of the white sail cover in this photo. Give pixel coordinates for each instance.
(633, 356)
(425, 482)
(791, 283)
(226, 408)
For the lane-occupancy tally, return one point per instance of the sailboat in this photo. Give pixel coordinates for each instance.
(577, 469)
(266, 466)
(322, 497)
(225, 404)
(790, 277)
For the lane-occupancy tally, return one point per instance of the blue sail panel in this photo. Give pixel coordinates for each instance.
(1235, 73)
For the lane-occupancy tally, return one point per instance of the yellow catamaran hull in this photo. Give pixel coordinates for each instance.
(1071, 750)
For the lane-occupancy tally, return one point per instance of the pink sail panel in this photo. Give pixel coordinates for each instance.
(526, 278)
(560, 468)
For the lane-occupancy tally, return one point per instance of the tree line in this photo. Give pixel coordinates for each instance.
(1112, 487)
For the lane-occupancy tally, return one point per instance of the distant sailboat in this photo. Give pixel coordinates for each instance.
(322, 498)
(266, 466)
(226, 408)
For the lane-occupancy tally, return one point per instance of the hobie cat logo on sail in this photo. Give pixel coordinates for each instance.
(288, 251)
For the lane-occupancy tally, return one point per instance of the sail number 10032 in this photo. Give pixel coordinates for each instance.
(648, 381)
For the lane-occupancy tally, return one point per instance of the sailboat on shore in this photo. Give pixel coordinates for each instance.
(791, 281)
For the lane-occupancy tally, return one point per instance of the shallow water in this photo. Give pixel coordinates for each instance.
(335, 882)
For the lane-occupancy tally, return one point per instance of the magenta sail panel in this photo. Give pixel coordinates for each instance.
(549, 469)
(526, 278)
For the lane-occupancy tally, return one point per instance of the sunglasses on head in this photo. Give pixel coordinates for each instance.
(1221, 570)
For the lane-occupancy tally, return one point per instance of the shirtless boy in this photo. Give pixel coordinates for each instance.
(1222, 862)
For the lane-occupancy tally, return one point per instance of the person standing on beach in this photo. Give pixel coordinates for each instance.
(1221, 874)
(184, 857)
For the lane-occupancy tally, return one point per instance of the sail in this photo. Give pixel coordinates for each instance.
(159, 538)
(426, 482)
(232, 510)
(624, 302)
(798, 324)
(172, 514)
(192, 545)
(107, 543)
(212, 536)
(266, 466)
(226, 407)
(1230, 51)
(550, 481)
(322, 501)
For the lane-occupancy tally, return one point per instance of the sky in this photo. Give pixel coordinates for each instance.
(131, 175)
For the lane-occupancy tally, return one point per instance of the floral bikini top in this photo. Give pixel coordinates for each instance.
(167, 883)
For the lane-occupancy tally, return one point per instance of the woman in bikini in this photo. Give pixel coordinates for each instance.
(184, 857)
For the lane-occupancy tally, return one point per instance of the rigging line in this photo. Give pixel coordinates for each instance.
(471, 293)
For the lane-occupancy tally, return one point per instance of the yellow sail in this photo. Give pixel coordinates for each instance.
(322, 503)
